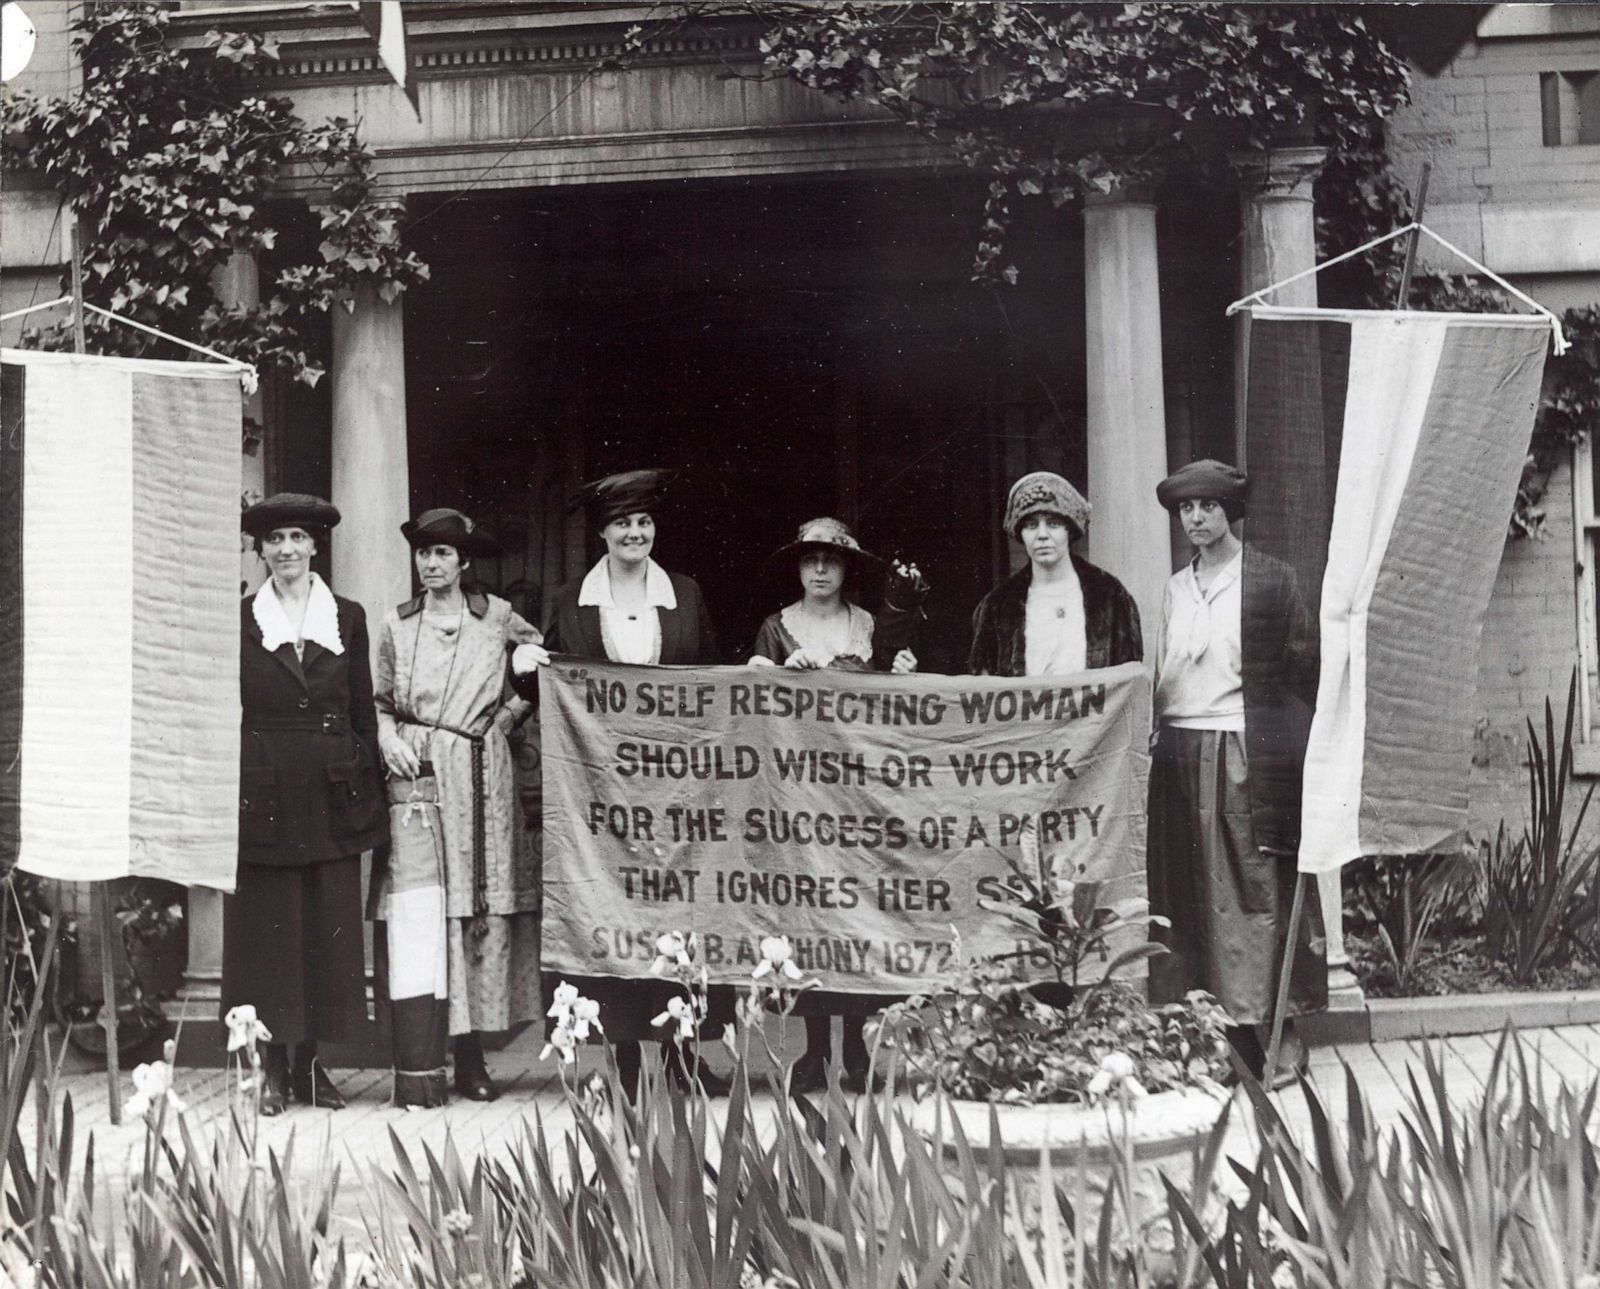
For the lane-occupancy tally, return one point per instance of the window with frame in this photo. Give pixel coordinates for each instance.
(1569, 107)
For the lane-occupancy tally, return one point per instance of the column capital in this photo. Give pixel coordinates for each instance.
(1282, 173)
(1130, 193)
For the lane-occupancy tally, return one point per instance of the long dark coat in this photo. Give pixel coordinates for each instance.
(1280, 661)
(306, 796)
(999, 626)
(687, 636)
(687, 640)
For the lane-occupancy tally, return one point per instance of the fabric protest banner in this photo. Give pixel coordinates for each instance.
(1384, 451)
(119, 618)
(861, 815)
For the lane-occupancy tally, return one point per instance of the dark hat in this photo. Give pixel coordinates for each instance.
(445, 527)
(825, 534)
(288, 510)
(628, 493)
(1205, 480)
(1045, 493)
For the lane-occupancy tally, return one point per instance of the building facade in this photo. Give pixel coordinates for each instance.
(676, 262)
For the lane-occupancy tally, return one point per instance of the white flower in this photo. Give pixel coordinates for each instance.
(586, 1016)
(1116, 1073)
(1119, 1065)
(457, 1222)
(671, 950)
(152, 1084)
(776, 955)
(561, 1004)
(563, 1043)
(244, 1029)
(679, 1013)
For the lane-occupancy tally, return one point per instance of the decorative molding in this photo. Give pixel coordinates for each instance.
(512, 55)
(1282, 174)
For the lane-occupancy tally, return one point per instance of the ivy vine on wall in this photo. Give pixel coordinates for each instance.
(169, 161)
(1062, 101)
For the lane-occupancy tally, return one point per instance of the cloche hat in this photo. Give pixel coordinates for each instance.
(1205, 480)
(1044, 492)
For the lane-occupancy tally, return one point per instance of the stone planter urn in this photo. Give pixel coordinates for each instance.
(1168, 1133)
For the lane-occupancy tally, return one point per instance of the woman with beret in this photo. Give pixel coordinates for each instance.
(1236, 684)
(310, 802)
(1060, 614)
(628, 609)
(825, 628)
(444, 714)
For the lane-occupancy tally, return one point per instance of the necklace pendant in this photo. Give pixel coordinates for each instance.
(1061, 611)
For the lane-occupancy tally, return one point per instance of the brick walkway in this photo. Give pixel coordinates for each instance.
(358, 1139)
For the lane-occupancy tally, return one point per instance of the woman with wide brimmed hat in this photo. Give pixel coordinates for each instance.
(310, 802)
(825, 628)
(1236, 682)
(461, 911)
(1059, 614)
(629, 609)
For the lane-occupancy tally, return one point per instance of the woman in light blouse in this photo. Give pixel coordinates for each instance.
(1236, 681)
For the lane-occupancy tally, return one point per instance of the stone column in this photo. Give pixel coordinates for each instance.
(1278, 240)
(371, 485)
(1128, 532)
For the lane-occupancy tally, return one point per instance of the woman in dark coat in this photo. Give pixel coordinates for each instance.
(1060, 614)
(825, 628)
(628, 609)
(310, 802)
(1236, 685)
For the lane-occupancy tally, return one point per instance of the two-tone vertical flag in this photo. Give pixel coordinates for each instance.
(385, 22)
(119, 618)
(1385, 451)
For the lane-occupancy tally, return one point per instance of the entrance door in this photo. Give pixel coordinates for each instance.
(791, 350)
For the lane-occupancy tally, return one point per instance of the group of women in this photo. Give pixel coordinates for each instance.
(416, 764)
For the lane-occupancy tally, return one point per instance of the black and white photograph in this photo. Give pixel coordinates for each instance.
(799, 644)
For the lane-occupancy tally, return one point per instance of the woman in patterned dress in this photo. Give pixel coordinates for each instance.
(443, 704)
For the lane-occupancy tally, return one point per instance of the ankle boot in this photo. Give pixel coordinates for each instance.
(472, 1075)
(311, 1083)
(274, 1079)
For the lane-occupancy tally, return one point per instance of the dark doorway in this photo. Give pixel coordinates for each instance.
(791, 349)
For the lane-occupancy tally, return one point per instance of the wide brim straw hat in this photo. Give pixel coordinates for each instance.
(446, 527)
(288, 510)
(824, 534)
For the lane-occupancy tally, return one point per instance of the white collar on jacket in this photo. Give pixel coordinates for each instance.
(596, 588)
(321, 624)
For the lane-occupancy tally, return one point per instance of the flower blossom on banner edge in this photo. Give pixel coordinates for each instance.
(777, 955)
(681, 1013)
(672, 949)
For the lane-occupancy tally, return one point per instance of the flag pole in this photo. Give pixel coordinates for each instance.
(1416, 236)
(99, 897)
(1280, 1006)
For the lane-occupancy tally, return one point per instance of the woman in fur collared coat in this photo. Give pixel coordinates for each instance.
(1060, 614)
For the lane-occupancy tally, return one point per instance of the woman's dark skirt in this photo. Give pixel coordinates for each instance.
(1229, 903)
(292, 948)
